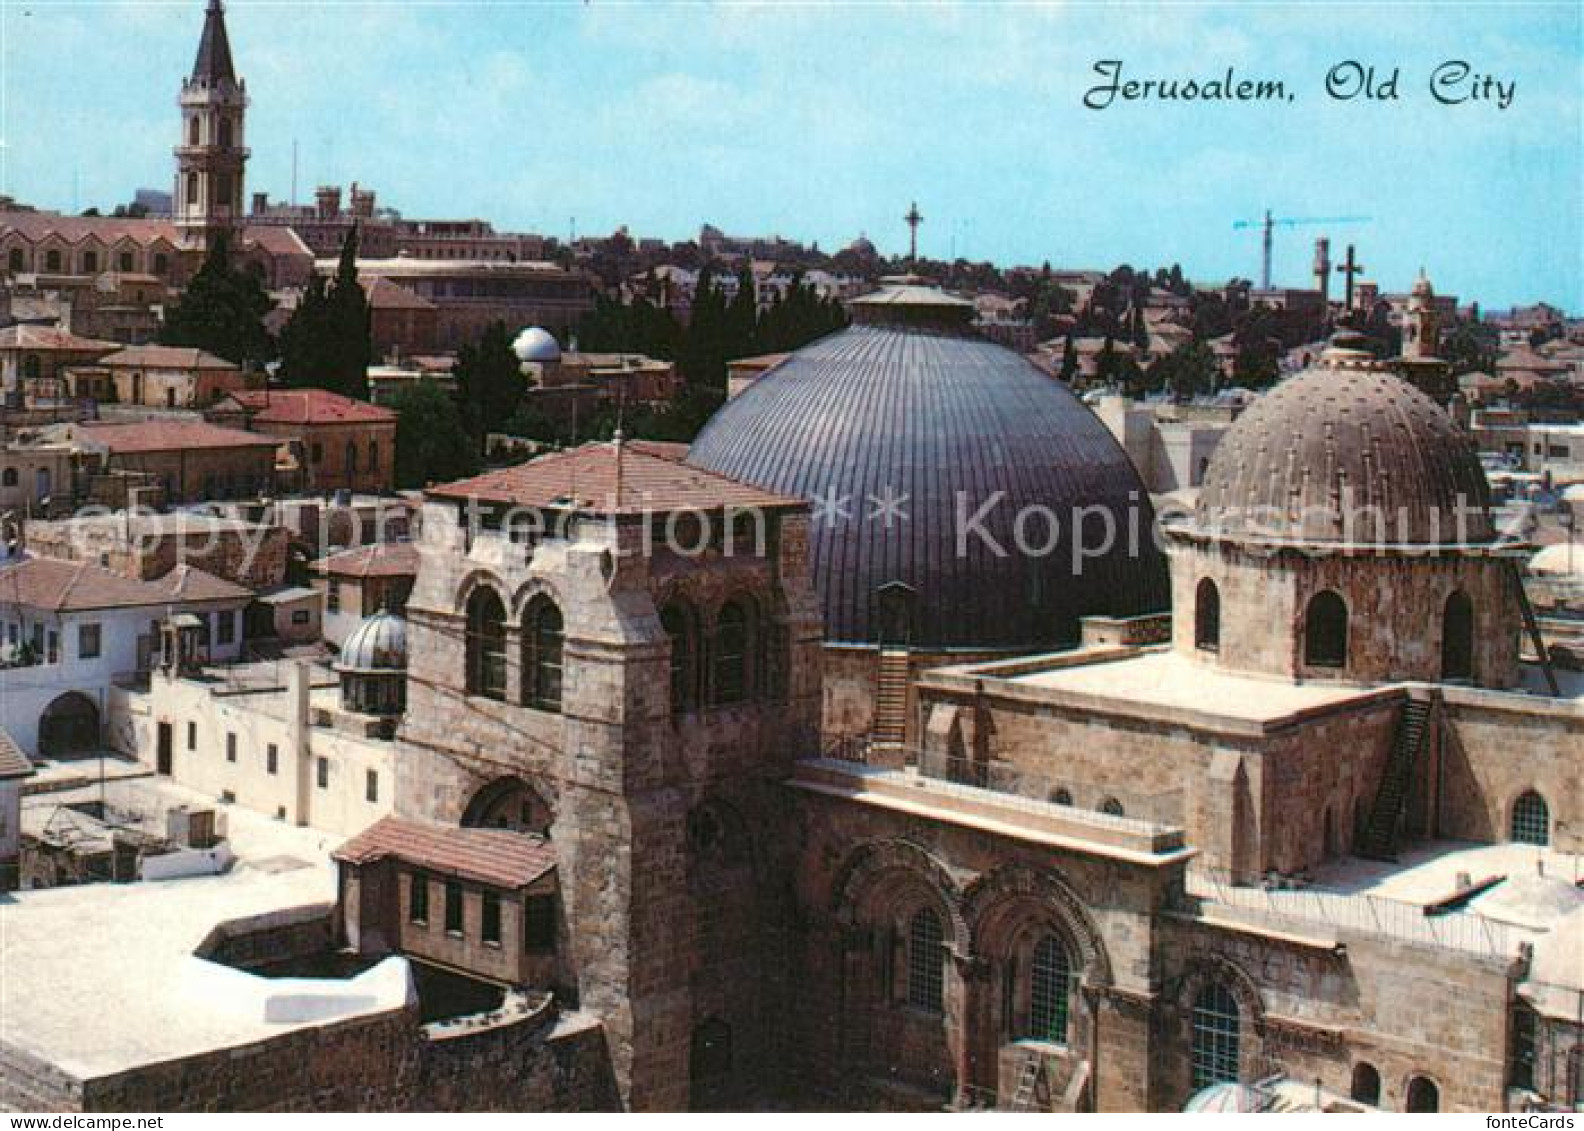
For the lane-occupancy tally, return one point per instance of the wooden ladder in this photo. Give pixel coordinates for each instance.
(891, 688)
(1028, 1081)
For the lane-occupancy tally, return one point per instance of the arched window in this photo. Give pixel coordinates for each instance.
(1207, 617)
(926, 960)
(1531, 819)
(729, 664)
(542, 640)
(90, 262)
(192, 130)
(192, 191)
(52, 260)
(1366, 1083)
(1216, 1036)
(681, 626)
(1326, 631)
(15, 259)
(1050, 980)
(351, 457)
(1457, 637)
(486, 644)
(8, 477)
(1111, 807)
(225, 133)
(1423, 1095)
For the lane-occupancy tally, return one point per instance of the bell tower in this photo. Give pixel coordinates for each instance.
(211, 155)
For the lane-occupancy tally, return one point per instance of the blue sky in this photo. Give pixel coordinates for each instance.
(820, 121)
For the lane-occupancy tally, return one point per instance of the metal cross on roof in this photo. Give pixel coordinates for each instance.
(913, 218)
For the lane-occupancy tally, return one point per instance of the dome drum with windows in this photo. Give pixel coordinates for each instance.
(1351, 513)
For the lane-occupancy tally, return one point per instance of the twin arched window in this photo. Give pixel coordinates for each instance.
(486, 650)
(1531, 819)
(1326, 631)
(543, 631)
(1217, 1035)
(1050, 982)
(1207, 617)
(926, 960)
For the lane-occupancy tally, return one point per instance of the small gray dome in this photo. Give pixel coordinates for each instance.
(377, 645)
(534, 344)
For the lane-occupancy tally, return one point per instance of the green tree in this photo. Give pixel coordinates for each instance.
(431, 443)
(327, 344)
(1187, 371)
(490, 383)
(222, 311)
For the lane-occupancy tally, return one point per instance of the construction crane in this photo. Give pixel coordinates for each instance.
(1269, 224)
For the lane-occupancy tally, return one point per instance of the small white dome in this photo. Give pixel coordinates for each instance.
(377, 645)
(535, 344)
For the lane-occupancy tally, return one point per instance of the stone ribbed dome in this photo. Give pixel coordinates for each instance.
(1346, 452)
(377, 645)
(907, 406)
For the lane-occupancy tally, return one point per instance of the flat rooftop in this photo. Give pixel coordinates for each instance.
(1163, 678)
(102, 978)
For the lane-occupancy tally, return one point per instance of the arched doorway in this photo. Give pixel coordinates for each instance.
(509, 803)
(1457, 637)
(1366, 1083)
(710, 1067)
(69, 725)
(895, 603)
(1423, 1095)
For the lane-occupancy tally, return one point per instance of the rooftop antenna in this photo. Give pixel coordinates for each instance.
(293, 201)
(913, 219)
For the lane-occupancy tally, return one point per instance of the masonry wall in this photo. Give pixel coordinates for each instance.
(204, 474)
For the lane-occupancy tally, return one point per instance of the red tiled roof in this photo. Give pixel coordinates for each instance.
(497, 857)
(664, 449)
(37, 226)
(27, 336)
(382, 559)
(170, 436)
(275, 239)
(62, 586)
(308, 406)
(164, 357)
(611, 478)
(13, 763)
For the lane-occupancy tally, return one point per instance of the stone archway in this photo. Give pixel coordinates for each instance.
(69, 725)
(509, 803)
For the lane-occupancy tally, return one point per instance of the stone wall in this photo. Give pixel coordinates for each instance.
(1396, 609)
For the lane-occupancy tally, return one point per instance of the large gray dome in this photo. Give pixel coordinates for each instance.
(908, 404)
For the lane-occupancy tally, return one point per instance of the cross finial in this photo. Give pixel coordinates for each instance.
(913, 219)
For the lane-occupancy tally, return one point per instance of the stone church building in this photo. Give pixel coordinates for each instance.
(1298, 839)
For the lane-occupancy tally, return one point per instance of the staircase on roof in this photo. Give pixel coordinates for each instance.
(1380, 835)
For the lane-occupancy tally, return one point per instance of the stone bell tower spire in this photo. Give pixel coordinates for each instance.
(211, 155)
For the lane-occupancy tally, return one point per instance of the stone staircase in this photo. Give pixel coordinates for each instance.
(1379, 838)
(891, 688)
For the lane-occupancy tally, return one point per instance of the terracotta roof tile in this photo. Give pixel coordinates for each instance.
(308, 406)
(37, 226)
(170, 436)
(63, 586)
(382, 559)
(612, 478)
(386, 295)
(497, 857)
(164, 357)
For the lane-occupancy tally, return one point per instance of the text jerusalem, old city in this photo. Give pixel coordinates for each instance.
(1451, 83)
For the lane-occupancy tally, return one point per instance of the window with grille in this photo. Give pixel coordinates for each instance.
(1050, 978)
(731, 654)
(1215, 1036)
(1531, 819)
(542, 669)
(926, 959)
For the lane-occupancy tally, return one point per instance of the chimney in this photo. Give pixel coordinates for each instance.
(327, 201)
(260, 203)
